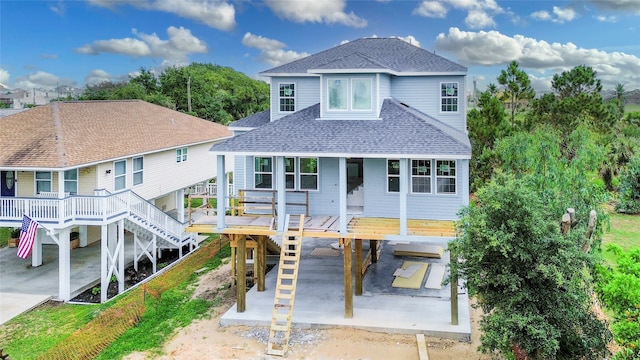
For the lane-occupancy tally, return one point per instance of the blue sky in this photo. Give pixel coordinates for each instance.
(46, 43)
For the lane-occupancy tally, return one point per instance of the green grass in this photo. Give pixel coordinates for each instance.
(624, 231)
(631, 108)
(5, 233)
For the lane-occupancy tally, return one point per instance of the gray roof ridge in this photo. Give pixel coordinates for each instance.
(446, 129)
(359, 54)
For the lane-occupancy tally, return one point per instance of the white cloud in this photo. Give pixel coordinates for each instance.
(559, 15)
(603, 18)
(175, 50)
(326, 11)
(433, 9)
(97, 76)
(410, 39)
(214, 13)
(4, 76)
(58, 8)
(493, 48)
(272, 51)
(41, 79)
(480, 13)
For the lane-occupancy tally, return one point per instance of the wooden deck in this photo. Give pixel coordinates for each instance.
(326, 226)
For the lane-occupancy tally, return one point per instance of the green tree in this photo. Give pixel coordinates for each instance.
(147, 79)
(528, 277)
(517, 89)
(629, 191)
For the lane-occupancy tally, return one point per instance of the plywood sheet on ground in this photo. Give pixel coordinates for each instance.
(325, 252)
(420, 250)
(436, 275)
(413, 282)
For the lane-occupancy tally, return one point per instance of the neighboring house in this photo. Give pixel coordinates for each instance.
(371, 129)
(101, 167)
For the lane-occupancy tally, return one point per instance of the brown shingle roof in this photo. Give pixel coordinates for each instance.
(66, 134)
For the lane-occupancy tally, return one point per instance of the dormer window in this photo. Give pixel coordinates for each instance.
(349, 94)
(449, 97)
(287, 97)
(337, 94)
(361, 94)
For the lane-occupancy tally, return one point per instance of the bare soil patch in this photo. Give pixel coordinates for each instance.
(205, 339)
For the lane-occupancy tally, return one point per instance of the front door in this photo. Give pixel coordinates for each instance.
(7, 183)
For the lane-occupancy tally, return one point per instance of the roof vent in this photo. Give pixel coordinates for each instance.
(405, 105)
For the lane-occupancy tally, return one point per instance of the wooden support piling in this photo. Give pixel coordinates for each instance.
(359, 267)
(373, 248)
(348, 286)
(260, 261)
(241, 293)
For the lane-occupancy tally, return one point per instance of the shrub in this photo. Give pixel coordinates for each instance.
(630, 187)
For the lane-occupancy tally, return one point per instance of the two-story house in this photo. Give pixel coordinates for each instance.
(98, 168)
(368, 139)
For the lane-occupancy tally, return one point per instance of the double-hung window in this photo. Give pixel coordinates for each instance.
(263, 172)
(138, 170)
(119, 175)
(308, 173)
(287, 97)
(181, 155)
(290, 173)
(449, 97)
(43, 181)
(446, 176)
(393, 175)
(71, 181)
(421, 176)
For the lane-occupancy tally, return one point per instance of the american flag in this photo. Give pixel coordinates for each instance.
(27, 237)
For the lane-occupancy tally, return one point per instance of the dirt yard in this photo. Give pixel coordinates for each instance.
(205, 339)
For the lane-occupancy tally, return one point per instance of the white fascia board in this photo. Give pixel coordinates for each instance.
(387, 71)
(241, 128)
(345, 155)
(288, 74)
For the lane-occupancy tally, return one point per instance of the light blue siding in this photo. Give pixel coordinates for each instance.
(379, 203)
(384, 91)
(423, 93)
(307, 93)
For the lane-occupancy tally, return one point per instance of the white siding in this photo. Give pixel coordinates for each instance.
(423, 93)
(307, 93)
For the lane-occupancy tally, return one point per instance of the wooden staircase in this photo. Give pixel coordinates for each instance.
(285, 288)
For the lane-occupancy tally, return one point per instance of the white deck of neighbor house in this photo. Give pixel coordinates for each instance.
(320, 302)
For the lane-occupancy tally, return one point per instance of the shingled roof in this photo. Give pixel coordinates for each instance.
(375, 54)
(67, 134)
(401, 131)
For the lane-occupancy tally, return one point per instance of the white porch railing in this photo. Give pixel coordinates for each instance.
(87, 210)
(210, 189)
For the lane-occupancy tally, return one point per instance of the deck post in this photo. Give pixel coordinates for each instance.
(104, 262)
(36, 252)
(221, 180)
(260, 260)
(241, 284)
(404, 187)
(234, 259)
(120, 245)
(82, 233)
(373, 249)
(348, 287)
(358, 267)
(281, 206)
(180, 204)
(342, 194)
(454, 291)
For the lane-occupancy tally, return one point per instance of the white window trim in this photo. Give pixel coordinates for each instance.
(181, 155)
(352, 94)
(316, 174)
(70, 181)
(36, 180)
(386, 166)
(440, 97)
(294, 97)
(431, 162)
(346, 84)
(116, 176)
(134, 171)
(255, 172)
(288, 173)
(455, 177)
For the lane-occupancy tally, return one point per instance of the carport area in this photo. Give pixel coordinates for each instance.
(319, 301)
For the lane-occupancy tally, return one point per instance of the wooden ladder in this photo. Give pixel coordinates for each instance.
(285, 289)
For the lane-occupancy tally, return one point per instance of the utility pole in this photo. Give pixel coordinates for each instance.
(189, 94)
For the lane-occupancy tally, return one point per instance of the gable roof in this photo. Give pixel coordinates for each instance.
(402, 131)
(252, 121)
(371, 54)
(68, 134)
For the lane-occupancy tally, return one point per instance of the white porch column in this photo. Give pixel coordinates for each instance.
(281, 181)
(342, 193)
(64, 273)
(221, 184)
(120, 256)
(82, 232)
(36, 251)
(104, 262)
(60, 184)
(180, 204)
(404, 188)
